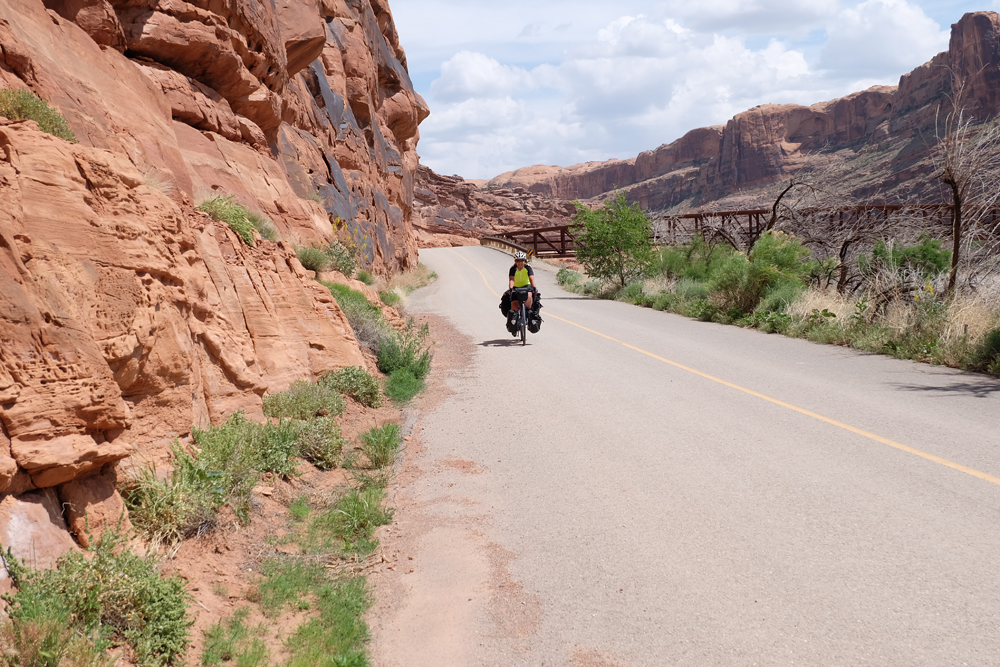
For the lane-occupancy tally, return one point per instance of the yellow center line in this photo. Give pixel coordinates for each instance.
(833, 422)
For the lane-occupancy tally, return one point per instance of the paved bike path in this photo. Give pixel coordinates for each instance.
(689, 493)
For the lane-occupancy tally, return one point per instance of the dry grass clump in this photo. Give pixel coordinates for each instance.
(972, 315)
(408, 281)
(838, 304)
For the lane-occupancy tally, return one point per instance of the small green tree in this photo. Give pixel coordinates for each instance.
(614, 242)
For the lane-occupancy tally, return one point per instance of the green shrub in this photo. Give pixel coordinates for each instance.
(741, 281)
(405, 349)
(226, 468)
(697, 260)
(700, 309)
(366, 277)
(768, 321)
(109, 593)
(234, 214)
(689, 289)
(320, 442)
(24, 105)
(49, 642)
(234, 455)
(343, 258)
(305, 400)
(402, 385)
(631, 292)
(390, 298)
(988, 352)
(927, 258)
(380, 445)
(357, 383)
(171, 509)
(568, 278)
(665, 301)
(592, 286)
(313, 259)
(780, 295)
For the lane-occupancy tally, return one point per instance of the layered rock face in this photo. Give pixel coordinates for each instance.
(126, 319)
(449, 210)
(126, 316)
(303, 110)
(770, 142)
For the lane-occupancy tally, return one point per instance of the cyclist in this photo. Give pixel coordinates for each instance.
(521, 275)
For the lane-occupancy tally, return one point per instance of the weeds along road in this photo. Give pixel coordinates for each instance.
(652, 490)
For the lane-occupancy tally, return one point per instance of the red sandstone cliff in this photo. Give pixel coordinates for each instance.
(127, 317)
(763, 145)
(449, 210)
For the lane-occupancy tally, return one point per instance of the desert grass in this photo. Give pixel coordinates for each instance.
(226, 209)
(406, 282)
(380, 445)
(232, 640)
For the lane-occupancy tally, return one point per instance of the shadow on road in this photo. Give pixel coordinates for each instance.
(501, 342)
(977, 387)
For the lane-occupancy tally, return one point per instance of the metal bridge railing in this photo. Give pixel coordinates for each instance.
(505, 245)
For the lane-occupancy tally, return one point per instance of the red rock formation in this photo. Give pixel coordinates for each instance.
(127, 319)
(318, 91)
(451, 211)
(769, 142)
(126, 316)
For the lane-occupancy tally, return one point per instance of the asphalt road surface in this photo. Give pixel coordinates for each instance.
(637, 488)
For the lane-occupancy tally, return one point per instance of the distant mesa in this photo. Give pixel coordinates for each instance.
(882, 135)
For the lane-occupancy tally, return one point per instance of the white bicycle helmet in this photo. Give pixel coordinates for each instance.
(520, 255)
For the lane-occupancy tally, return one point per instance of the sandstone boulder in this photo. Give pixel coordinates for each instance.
(303, 31)
(96, 17)
(93, 505)
(33, 528)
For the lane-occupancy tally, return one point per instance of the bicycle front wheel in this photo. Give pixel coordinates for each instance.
(524, 324)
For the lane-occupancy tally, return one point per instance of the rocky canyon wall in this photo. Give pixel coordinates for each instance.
(127, 316)
(768, 143)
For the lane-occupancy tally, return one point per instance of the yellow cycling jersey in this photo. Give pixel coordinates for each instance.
(521, 277)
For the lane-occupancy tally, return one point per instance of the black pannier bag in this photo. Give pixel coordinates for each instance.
(534, 317)
(505, 304)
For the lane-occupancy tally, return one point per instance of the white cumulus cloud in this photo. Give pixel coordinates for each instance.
(881, 38)
(563, 82)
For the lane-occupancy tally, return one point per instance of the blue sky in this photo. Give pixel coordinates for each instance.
(516, 83)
